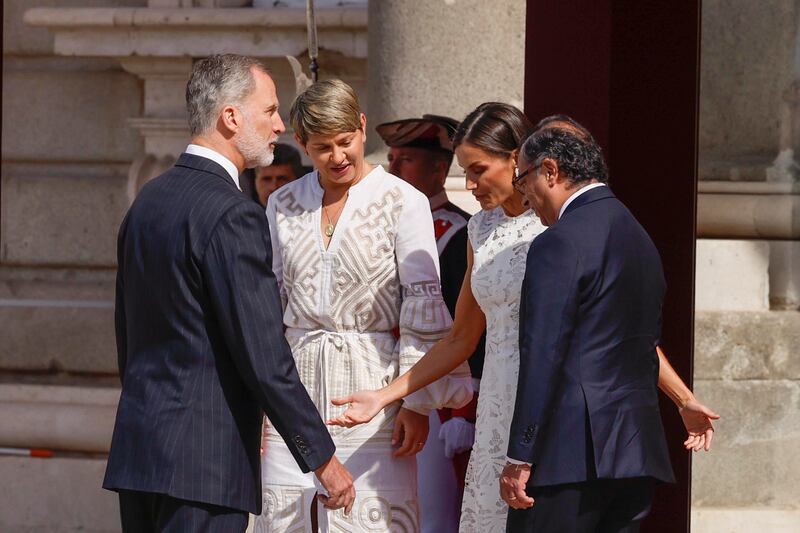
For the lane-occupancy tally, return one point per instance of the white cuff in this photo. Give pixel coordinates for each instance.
(476, 385)
(457, 435)
(517, 461)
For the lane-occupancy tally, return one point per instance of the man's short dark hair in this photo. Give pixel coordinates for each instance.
(288, 155)
(580, 159)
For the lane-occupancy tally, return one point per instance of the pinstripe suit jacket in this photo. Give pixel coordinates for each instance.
(200, 344)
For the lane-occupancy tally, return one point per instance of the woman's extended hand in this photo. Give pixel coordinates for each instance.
(697, 418)
(363, 406)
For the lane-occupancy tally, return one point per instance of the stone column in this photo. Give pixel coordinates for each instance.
(442, 57)
(748, 49)
(163, 121)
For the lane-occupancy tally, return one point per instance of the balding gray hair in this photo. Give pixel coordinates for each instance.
(217, 81)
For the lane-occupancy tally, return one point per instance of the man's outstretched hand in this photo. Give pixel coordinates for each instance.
(336, 479)
(697, 420)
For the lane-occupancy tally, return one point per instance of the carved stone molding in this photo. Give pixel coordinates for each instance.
(748, 210)
(198, 32)
(158, 44)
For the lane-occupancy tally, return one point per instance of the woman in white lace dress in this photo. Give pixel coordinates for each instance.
(355, 258)
(499, 238)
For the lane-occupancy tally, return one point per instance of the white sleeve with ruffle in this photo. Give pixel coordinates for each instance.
(277, 258)
(424, 318)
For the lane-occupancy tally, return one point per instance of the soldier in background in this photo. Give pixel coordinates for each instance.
(285, 168)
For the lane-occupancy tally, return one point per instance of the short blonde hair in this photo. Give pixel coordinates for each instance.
(326, 108)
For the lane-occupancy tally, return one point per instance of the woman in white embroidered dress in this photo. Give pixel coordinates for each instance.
(500, 235)
(356, 260)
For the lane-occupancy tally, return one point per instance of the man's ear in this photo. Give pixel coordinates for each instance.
(231, 119)
(550, 170)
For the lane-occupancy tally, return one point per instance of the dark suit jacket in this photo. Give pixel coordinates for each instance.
(200, 343)
(590, 320)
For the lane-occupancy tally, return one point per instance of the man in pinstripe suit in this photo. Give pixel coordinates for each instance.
(199, 337)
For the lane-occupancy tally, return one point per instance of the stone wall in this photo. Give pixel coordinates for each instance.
(69, 153)
(74, 131)
(746, 68)
(66, 151)
(746, 365)
(747, 323)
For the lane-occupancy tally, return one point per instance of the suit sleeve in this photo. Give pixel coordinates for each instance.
(120, 325)
(244, 294)
(548, 312)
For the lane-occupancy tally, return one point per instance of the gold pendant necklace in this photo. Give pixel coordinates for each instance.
(330, 227)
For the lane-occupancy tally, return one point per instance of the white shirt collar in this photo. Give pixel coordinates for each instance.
(216, 157)
(578, 193)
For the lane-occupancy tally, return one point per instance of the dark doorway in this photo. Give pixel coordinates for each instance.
(629, 71)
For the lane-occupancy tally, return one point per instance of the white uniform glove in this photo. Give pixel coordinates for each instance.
(458, 436)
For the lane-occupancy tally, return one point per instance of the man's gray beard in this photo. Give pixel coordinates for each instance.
(254, 150)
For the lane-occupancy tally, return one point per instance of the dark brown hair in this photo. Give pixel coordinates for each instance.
(494, 127)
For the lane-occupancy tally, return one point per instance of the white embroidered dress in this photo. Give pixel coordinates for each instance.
(342, 309)
(500, 248)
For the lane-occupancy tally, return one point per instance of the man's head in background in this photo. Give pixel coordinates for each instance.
(287, 166)
(420, 150)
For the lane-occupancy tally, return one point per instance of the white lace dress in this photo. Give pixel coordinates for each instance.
(500, 247)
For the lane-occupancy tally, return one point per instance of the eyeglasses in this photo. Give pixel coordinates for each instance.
(518, 181)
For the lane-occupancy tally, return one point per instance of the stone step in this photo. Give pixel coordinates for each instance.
(73, 418)
(747, 345)
(754, 460)
(744, 520)
(55, 496)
